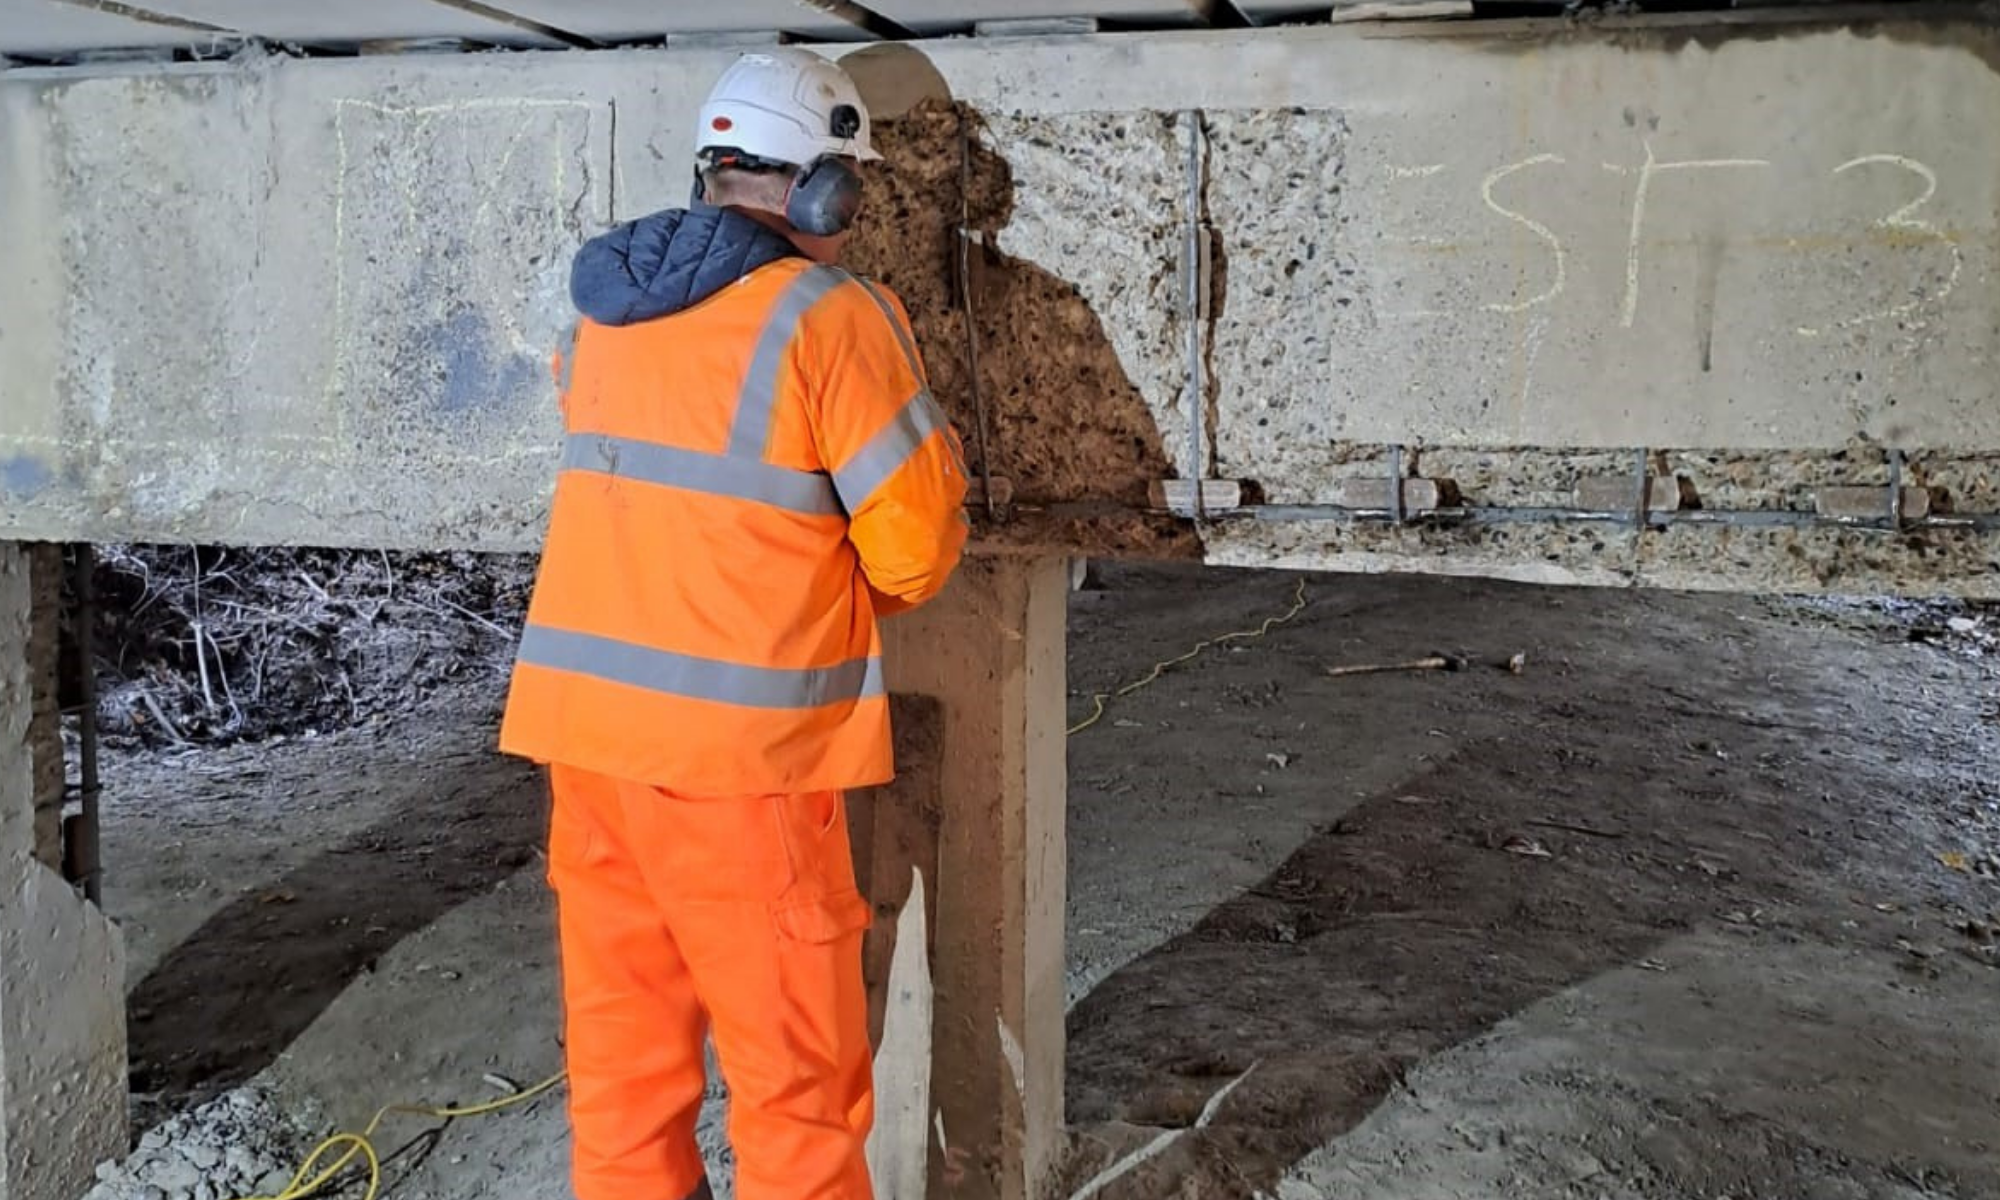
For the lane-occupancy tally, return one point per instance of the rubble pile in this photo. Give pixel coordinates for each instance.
(237, 1145)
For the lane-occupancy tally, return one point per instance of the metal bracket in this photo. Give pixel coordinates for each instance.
(1896, 506)
(1195, 498)
(1642, 488)
(993, 495)
(1196, 268)
(968, 241)
(1396, 511)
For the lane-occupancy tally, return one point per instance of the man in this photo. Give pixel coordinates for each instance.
(754, 471)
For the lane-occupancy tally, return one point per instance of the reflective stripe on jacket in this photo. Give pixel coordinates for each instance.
(746, 485)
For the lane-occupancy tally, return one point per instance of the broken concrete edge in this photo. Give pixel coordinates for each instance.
(1615, 494)
(1858, 556)
(63, 1104)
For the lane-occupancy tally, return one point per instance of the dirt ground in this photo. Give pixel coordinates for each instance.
(1701, 902)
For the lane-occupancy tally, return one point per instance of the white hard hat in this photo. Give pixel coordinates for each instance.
(785, 105)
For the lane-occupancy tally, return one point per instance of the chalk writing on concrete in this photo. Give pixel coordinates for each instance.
(1561, 271)
(1541, 212)
(1640, 190)
(1904, 218)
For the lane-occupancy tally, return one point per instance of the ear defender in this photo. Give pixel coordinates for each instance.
(825, 198)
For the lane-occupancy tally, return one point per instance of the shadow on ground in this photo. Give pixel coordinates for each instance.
(1598, 827)
(225, 1003)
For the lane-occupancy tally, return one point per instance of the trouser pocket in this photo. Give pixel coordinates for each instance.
(825, 920)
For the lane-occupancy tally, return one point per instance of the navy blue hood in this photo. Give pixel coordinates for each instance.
(661, 264)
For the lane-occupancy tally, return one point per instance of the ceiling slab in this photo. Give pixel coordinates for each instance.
(1261, 11)
(349, 21)
(52, 27)
(43, 28)
(957, 16)
(634, 20)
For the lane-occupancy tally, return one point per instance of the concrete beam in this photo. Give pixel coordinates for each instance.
(62, 997)
(1523, 248)
(981, 670)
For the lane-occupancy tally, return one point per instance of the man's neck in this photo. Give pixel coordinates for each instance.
(821, 250)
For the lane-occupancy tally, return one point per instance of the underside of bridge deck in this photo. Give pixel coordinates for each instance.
(1663, 302)
(1660, 301)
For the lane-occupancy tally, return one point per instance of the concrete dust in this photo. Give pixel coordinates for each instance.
(1692, 906)
(235, 1145)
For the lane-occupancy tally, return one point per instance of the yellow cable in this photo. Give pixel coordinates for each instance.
(1101, 699)
(305, 1181)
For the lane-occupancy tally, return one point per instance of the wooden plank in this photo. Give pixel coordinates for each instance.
(899, 1142)
(1178, 495)
(1420, 495)
(1870, 503)
(989, 652)
(1617, 493)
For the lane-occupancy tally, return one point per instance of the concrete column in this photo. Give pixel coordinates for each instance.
(62, 1014)
(979, 681)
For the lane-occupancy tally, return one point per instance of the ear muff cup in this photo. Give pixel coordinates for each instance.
(825, 198)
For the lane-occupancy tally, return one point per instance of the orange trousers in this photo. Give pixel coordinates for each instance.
(736, 918)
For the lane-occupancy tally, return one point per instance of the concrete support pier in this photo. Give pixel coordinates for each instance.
(977, 814)
(62, 1002)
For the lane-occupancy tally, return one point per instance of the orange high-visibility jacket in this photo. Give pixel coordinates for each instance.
(746, 485)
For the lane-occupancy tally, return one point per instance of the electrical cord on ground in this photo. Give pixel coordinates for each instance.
(1101, 700)
(307, 1180)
